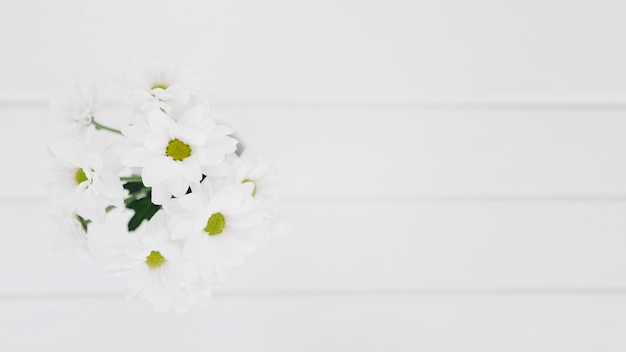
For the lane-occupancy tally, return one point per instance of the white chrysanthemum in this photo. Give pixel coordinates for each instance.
(82, 177)
(173, 154)
(156, 269)
(76, 115)
(160, 87)
(71, 237)
(218, 229)
(250, 168)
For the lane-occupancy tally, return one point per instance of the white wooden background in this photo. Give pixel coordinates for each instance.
(454, 173)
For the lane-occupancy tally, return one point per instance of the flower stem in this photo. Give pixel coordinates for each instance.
(131, 179)
(103, 127)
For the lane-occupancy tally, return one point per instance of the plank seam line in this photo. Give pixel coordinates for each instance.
(572, 104)
(336, 293)
(504, 198)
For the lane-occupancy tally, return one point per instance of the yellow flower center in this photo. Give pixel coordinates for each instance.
(215, 224)
(159, 85)
(155, 259)
(80, 176)
(178, 150)
(253, 183)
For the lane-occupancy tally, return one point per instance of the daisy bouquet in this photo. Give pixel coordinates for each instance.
(197, 201)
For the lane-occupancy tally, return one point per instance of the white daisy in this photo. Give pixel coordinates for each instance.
(175, 154)
(76, 115)
(156, 269)
(160, 87)
(82, 177)
(71, 237)
(218, 229)
(251, 168)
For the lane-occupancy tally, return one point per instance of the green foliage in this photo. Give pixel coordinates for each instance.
(139, 202)
(84, 223)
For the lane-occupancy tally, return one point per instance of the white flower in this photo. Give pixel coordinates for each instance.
(175, 154)
(211, 204)
(156, 269)
(77, 114)
(71, 237)
(82, 177)
(250, 168)
(160, 87)
(218, 229)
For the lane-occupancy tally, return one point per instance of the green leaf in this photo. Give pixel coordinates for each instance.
(144, 210)
(84, 223)
(133, 187)
(139, 202)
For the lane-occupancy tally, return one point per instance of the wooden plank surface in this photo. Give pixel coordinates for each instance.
(487, 323)
(453, 172)
(372, 246)
(392, 152)
(324, 50)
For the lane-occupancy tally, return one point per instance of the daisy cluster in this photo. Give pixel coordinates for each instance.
(199, 201)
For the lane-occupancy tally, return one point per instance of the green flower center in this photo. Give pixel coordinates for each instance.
(253, 183)
(215, 224)
(159, 85)
(178, 150)
(155, 259)
(80, 176)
